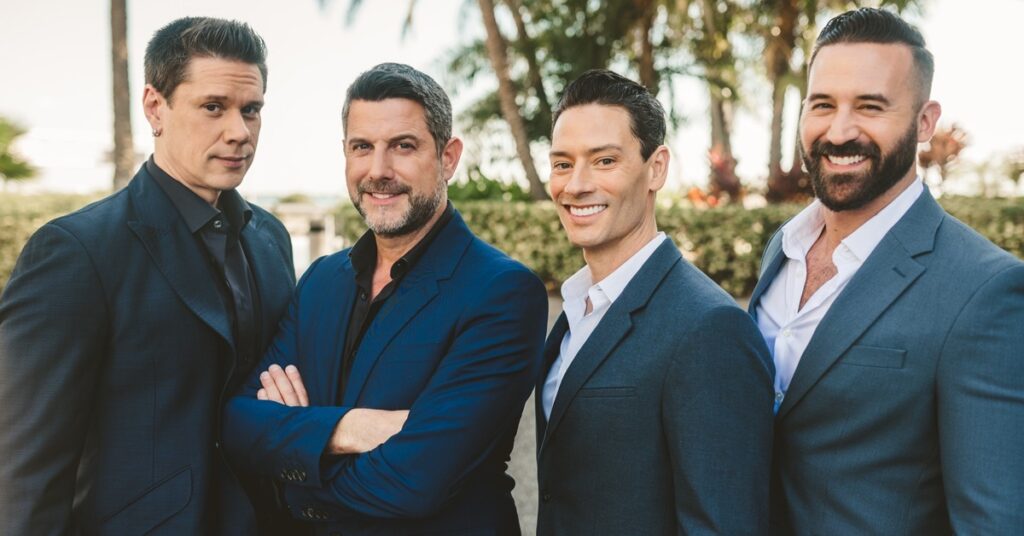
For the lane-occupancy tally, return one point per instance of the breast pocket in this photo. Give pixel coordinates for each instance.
(874, 356)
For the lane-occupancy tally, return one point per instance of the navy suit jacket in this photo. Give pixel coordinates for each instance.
(113, 345)
(663, 422)
(458, 344)
(906, 412)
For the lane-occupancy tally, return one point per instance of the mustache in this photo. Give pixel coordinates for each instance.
(821, 148)
(382, 186)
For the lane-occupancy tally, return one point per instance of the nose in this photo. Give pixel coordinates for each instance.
(579, 183)
(842, 128)
(380, 166)
(237, 130)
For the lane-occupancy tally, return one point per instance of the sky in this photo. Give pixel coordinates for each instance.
(55, 81)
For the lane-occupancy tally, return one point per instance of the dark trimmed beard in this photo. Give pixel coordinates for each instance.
(850, 191)
(421, 207)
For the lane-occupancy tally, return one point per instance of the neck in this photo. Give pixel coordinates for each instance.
(839, 225)
(209, 195)
(391, 248)
(607, 258)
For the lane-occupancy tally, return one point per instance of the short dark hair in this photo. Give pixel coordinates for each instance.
(173, 46)
(601, 86)
(870, 25)
(400, 81)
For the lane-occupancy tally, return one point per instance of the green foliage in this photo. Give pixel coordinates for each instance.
(11, 166)
(21, 215)
(480, 187)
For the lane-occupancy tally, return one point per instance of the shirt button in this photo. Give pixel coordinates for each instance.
(787, 333)
(779, 397)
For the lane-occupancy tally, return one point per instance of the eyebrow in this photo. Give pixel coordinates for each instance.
(394, 139)
(874, 97)
(599, 149)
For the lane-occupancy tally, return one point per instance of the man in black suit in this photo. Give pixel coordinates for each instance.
(654, 411)
(126, 322)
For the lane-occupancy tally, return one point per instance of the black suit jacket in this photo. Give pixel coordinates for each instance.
(663, 422)
(116, 351)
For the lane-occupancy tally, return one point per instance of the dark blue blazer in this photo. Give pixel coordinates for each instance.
(906, 412)
(114, 343)
(458, 344)
(663, 422)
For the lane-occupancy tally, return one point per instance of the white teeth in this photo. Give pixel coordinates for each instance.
(846, 160)
(587, 210)
(381, 196)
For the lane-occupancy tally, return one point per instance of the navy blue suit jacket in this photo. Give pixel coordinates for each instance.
(663, 422)
(114, 343)
(906, 412)
(458, 344)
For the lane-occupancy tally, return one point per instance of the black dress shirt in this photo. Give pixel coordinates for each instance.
(364, 310)
(219, 233)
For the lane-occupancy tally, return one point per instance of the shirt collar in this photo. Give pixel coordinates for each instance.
(803, 230)
(364, 252)
(193, 209)
(581, 284)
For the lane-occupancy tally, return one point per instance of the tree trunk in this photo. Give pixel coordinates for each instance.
(648, 75)
(530, 51)
(497, 53)
(781, 41)
(124, 151)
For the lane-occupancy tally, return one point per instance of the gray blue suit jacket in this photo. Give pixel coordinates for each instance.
(906, 412)
(662, 423)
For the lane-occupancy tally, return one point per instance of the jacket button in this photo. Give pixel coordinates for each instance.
(216, 445)
(546, 497)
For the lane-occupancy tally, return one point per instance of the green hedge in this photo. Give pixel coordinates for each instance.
(726, 243)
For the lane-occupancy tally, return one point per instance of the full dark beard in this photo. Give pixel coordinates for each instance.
(850, 191)
(421, 207)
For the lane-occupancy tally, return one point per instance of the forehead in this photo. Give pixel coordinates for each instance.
(592, 125)
(205, 74)
(385, 118)
(862, 68)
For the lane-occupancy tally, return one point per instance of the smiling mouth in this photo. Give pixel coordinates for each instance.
(846, 160)
(586, 210)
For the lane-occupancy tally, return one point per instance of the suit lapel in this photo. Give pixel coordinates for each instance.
(551, 348)
(269, 271)
(416, 290)
(771, 263)
(176, 253)
(879, 282)
(615, 325)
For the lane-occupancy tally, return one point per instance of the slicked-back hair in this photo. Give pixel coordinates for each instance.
(400, 81)
(173, 46)
(870, 25)
(601, 86)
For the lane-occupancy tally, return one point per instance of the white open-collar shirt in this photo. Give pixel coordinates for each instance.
(787, 329)
(575, 291)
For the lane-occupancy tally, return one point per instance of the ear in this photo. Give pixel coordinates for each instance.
(927, 119)
(658, 170)
(152, 105)
(450, 157)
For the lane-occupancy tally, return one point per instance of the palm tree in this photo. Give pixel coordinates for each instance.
(124, 151)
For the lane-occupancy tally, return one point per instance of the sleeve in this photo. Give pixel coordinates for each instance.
(981, 409)
(270, 439)
(717, 413)
(53, 327)
(475, 395)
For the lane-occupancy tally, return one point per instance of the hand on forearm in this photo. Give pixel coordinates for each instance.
(283, 386)
(362, 430)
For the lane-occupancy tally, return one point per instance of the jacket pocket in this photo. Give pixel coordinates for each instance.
(874, 356)
(606, 392)
(156, 505)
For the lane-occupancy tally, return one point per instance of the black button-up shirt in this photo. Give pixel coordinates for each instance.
(364, 310)
(219, 233)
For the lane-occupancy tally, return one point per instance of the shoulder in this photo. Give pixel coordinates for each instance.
(972, 259)
(97, 219)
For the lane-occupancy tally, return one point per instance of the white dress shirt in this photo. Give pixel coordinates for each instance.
(787, 329)
(575, 291)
